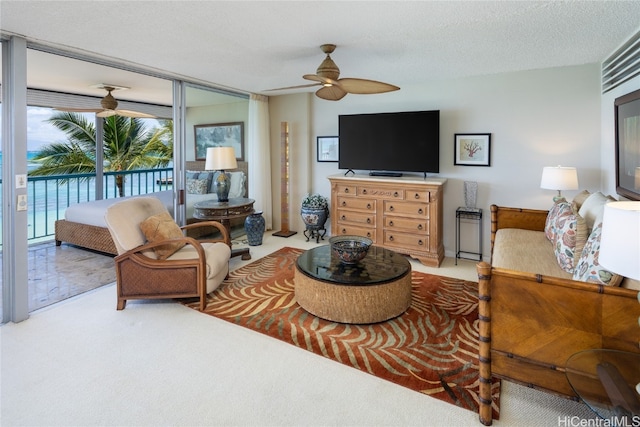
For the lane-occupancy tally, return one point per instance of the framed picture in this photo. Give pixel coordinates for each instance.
(627, 119)
(472, 149)
(219, 135)
(328, 148)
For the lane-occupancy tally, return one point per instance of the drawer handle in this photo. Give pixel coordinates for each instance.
(364, 191)
(368, 220)
(390, 223)
(344, 203)
(344, 231)
(346, 190)
(343, 217)
(368, 205)
(395, 194)
(391, 238)
(419, 226)
(391, 208)
(420, 211)
(369, 235)
(417, 196)
(420, 242)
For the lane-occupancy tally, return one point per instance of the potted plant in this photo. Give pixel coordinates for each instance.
(314, 211)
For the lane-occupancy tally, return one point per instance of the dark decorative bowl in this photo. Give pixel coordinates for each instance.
(350, 249)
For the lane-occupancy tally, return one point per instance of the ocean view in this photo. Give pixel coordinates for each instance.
(49, 196)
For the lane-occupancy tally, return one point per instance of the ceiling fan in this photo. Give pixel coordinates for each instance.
(334, 88)
(109, 105)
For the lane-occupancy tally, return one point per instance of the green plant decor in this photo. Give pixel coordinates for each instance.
(315, 201)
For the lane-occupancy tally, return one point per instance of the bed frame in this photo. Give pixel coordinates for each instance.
(98, 238)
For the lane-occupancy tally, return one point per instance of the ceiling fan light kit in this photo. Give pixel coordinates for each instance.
(333, 87)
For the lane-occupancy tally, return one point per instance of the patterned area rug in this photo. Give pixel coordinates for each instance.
(432, 348)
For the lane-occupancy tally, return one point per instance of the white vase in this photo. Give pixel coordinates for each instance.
(470, 193)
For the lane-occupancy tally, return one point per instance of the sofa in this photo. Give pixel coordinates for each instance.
(544, 297)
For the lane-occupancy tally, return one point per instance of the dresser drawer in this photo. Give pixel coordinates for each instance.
(406, 208)
(417, 196)
(381, 193)
(357, 231)
(356, 203)
(357, 218)
(349, 190)
(419, 226)
(406, 240)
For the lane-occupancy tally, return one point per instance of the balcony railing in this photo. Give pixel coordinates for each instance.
(49, 196)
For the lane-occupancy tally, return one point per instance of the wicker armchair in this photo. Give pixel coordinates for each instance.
(195, 269)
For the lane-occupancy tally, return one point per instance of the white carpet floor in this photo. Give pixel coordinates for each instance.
(82, 363)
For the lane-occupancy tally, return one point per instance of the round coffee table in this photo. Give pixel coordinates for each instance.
(375, 289)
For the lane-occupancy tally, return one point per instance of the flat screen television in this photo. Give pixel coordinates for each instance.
(390, 143)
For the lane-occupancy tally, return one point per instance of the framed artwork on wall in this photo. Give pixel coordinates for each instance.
(627, 124)
(472, 149)
(328, 148)
(219, 135)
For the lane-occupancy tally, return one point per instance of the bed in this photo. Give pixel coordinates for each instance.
(83, 224)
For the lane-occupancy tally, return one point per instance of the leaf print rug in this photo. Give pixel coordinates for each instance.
(432, 348)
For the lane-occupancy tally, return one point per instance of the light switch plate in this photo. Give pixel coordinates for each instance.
(21, 181)
(22, 202)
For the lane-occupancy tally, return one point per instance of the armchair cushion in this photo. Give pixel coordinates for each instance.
(217, 258)
(162, 227)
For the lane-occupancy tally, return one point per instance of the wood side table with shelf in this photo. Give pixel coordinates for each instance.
(224, 212)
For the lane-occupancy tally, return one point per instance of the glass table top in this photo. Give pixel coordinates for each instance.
(607, 381)
(379, 266)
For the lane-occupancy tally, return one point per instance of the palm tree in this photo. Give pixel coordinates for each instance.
(127, 145)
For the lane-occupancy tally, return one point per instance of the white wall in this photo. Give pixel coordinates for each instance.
(211, 114)
(537, 118)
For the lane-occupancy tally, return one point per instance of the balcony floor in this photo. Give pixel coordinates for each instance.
(60, 272)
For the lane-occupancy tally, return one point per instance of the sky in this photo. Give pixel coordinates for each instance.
(40, 132)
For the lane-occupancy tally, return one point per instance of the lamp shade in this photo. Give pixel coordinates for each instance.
(559, 178)
(620, 239)
(220, 158)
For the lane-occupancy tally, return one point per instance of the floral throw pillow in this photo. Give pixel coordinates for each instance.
(588, 269)
(571, 236)
(197, 186)
(549, 227)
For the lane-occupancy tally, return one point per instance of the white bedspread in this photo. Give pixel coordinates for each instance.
(92, 213)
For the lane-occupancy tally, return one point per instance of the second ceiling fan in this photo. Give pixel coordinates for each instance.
(333, 87)
(109, 106)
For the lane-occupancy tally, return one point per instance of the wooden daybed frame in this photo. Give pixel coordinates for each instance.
(530, 324)
(98, 238)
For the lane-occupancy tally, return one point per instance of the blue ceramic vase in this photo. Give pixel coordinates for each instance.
(254, 227)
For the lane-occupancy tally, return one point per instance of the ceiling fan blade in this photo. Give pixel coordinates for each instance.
(323, 80)
(106, 113)
(364, 86)
(79, 110)
(134, 114)
(293, 87)
(331, 93)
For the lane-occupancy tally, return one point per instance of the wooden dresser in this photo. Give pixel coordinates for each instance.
(402, 214)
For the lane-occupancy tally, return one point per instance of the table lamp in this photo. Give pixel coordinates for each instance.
(620, 241)
(221, 159)
(559, 178)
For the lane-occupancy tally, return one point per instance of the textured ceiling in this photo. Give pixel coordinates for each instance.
(255, 46)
